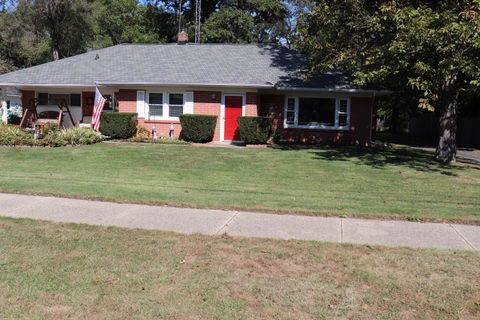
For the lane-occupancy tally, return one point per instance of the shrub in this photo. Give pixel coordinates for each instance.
(118, 125)
(72, 136)
(198, 128)
(14, 119)
(81, 136)
(255, 130)
(15, 136)
(142, 134)
(53, 139)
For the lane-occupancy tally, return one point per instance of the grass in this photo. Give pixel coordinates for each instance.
(399, 182)
(58, 271)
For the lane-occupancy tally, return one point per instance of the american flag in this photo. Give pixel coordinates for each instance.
(97, 109)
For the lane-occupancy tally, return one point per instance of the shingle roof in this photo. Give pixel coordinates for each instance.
(172, 64)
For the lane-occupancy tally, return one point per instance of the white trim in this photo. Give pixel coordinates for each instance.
(222, 110)
(333, 90)
(193, 84)
(317, 127)
(140, 105)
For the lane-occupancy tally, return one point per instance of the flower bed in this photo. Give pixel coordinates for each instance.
(53, 137)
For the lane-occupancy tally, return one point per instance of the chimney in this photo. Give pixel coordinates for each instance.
(182, 37)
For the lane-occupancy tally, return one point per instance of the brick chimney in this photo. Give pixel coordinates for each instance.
(182, 37)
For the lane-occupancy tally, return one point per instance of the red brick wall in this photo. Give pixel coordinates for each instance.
(360, 121)
(127, 100)
(208, 102)
(28, 98)
(251, 105)
(162, 127)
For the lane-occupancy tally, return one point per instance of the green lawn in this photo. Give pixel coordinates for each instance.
(59, 271)
(400, 183)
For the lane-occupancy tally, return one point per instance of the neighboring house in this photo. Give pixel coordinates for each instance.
(161, 82)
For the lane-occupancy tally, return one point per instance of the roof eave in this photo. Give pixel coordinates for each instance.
(45, 85)
(381, 92)
(208, 85)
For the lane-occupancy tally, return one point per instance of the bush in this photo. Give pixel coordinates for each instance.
(255, 130)
(198, 128)
(72, 136)
(15, 136)
(14, 119)
(81, 136)
(142, 135)
(118, 125)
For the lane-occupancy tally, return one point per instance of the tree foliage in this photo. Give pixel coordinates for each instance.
(37, 31)
(431, 47)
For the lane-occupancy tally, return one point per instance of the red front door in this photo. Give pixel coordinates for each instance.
(233, 110)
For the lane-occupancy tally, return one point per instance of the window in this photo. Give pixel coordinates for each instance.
(343, 113)
(172, 108)
(175, 104)
(155, 103)
(53, 99)
(43, 99)
(108, 103)
(75, 100)
(56, 99)
(317, 113)
(290, 114)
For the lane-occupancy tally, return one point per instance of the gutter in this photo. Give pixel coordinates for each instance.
(46, 85)
(221, 85)
(374, 92)
(130, 84)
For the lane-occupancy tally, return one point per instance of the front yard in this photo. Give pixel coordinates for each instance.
(58, 271)
(400, 182)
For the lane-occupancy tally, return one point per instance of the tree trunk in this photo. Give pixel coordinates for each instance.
(447, 144)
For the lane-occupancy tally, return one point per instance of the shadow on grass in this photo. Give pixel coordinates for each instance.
(380, 157)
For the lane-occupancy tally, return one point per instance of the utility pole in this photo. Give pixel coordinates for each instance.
(198, 20)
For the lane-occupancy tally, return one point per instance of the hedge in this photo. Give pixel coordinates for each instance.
(118, 125)
(255, 130)
(198, 128)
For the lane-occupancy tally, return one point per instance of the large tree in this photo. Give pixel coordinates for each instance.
(67, 24)
(122, 21)
(433, 47)
(246, 21)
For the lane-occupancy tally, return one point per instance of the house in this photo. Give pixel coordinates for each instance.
(161, 82)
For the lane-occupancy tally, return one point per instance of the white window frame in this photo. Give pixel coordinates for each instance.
(147, 101)
(323, 127)
(168, 103)
(166, 106)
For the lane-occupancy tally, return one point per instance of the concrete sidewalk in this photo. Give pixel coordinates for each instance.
(245, 224)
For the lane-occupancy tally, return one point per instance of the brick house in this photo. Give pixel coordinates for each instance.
(160, 82)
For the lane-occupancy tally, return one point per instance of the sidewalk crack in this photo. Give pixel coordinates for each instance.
(463, 238)
(225, 225)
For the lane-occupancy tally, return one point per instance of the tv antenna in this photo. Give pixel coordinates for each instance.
(180, 16)
(198, 20)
